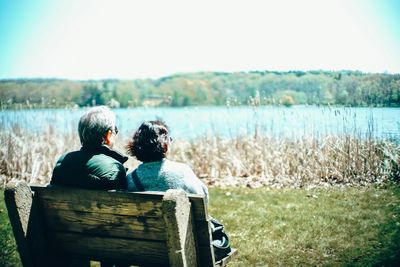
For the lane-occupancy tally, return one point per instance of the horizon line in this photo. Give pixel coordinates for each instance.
(191, 72)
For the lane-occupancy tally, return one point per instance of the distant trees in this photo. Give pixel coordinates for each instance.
(350, 88)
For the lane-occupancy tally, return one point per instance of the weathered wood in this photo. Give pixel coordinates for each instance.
(203, 233)
(132, 204)
(203, 240)
(59, 226)
(202, 230)
(179, 229)
(104, 224)
(25, 221)
(133, 251)
(224, 262)
(18, 199)
(199, 207)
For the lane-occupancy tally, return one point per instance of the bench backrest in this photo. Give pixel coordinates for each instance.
(55, 224)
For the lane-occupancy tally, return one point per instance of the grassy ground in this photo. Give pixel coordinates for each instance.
(295, 227)
(331, 227)
(8, 253)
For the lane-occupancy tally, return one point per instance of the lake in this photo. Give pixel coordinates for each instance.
(191, 122)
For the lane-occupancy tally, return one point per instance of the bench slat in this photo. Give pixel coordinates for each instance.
(144, 205)
(199, 207)
(202, 232)
(103, 224)
(205, 248)
(133, 203)
(102, 248)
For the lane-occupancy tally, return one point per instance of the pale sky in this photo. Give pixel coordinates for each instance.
(83, 39)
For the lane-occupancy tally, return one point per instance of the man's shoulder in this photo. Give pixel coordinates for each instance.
(89, 170)
(84, 155)
(105, 166)
(70, 156)
(104, 159)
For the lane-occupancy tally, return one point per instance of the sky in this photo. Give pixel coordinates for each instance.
(131, 39)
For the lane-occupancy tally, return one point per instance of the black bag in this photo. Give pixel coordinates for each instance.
(220, 240)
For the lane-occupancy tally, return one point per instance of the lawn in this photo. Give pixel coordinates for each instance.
(8, 253)
(295, 227)
(325, 227)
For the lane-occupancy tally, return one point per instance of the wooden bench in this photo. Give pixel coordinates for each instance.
(59, 226)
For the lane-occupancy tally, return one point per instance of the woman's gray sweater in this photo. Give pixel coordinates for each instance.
(166, 174)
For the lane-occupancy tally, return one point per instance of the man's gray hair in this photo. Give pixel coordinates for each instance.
(94, 124)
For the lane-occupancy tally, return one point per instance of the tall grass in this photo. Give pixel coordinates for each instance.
(32, 156)
(253, 161)
(258, 161)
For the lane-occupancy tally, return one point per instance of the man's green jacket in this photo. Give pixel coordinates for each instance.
(91, 168)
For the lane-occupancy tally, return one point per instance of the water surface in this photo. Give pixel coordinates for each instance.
(191, 122)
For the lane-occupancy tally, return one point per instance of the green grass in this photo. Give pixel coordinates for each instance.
(324, 227)
(9, 256)
(295, 227)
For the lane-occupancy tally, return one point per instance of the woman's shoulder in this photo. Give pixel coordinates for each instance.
(175, 165)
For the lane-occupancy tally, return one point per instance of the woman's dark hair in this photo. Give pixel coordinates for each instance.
(150, 141)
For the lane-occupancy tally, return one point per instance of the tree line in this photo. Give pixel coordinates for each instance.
(349, 88)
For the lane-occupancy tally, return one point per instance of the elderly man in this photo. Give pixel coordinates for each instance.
(95, 165)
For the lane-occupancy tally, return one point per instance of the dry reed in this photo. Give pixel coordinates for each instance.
(243, 161)
(308, 162)
(31, 157)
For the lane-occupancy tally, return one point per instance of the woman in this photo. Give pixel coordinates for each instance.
(150, 144)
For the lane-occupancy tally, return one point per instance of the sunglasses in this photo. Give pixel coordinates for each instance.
(115, 130)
